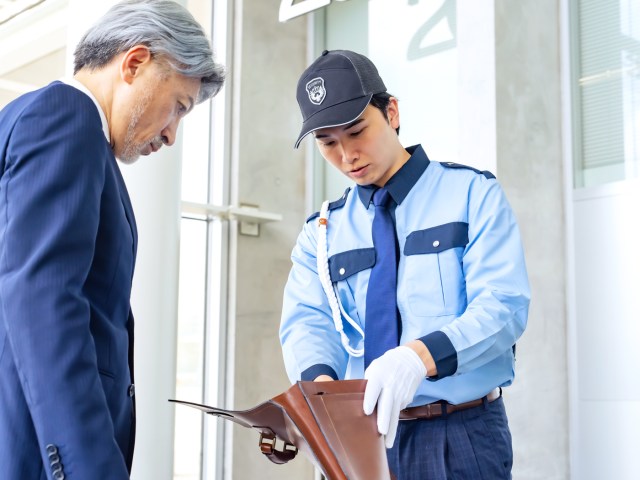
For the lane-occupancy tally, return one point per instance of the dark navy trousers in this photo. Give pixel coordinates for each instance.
(473, 444)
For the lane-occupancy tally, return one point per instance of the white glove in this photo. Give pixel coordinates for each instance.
(392, 381)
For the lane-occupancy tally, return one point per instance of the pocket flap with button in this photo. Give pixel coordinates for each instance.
(437, 239)
(343, 265)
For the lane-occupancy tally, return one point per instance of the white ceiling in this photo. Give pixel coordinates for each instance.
(11, 8)
(28, 36)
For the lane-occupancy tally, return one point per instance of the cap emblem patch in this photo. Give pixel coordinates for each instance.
(316, 90)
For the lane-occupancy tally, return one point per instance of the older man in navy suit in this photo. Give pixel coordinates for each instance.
(68, 238)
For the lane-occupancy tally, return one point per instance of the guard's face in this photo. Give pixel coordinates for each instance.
(367, 150)
(158, 102)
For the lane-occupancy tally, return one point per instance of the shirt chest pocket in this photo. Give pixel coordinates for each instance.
(349, 271)
(433, 274)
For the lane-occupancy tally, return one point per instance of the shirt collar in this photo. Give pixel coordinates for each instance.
(103, 118)
(402, 181)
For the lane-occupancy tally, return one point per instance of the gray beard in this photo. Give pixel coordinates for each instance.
(130, 150)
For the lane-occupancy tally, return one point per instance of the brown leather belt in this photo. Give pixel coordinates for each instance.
(433, 410)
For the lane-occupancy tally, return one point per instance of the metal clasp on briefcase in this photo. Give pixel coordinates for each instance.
(267, 444)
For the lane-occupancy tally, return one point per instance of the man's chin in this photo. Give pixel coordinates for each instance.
(128, 159)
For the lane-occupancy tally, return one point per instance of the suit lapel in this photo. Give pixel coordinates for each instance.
(126, 203)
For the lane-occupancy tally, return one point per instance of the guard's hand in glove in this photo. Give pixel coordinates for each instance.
(392, 381)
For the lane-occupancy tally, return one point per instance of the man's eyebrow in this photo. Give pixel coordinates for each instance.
(192, 103)
(346, 127)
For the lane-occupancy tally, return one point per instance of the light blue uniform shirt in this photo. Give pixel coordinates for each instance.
(462, 281)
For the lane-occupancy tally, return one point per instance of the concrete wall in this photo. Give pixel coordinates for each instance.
(268, 172)
(530, 166)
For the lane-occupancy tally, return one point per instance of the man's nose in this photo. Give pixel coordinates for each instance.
(168, 133)
(349, 154)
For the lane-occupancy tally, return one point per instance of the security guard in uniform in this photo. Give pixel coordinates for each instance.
(434, 334)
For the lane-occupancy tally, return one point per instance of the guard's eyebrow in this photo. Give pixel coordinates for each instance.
(346, 127)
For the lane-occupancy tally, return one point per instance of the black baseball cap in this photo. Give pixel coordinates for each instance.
(335, 89)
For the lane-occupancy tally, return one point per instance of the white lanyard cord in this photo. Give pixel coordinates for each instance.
(337, 310)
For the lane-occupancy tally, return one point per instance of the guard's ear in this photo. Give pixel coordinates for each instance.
(393, 113)
(133, 61)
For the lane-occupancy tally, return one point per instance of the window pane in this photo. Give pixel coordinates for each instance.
(609, 90)
(196, 128)
(195, 154)
(190, 349)
(199, 323)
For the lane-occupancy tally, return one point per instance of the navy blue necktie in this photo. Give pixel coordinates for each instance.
(381, 323)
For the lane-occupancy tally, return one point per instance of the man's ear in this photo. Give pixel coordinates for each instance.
(134, 60)
(393, 113)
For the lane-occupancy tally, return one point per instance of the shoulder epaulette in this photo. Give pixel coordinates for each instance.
(332, 205)
(486, 173)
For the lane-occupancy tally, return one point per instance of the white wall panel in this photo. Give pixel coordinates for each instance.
(607, 285)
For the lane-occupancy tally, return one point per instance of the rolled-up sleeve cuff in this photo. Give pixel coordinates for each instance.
(443, 353)
(315, 371)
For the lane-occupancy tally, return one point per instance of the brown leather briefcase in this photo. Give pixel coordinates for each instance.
(325, 421)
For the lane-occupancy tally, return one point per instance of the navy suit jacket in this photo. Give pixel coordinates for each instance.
(67, 252)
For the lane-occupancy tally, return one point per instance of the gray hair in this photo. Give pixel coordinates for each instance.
(166, 28)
